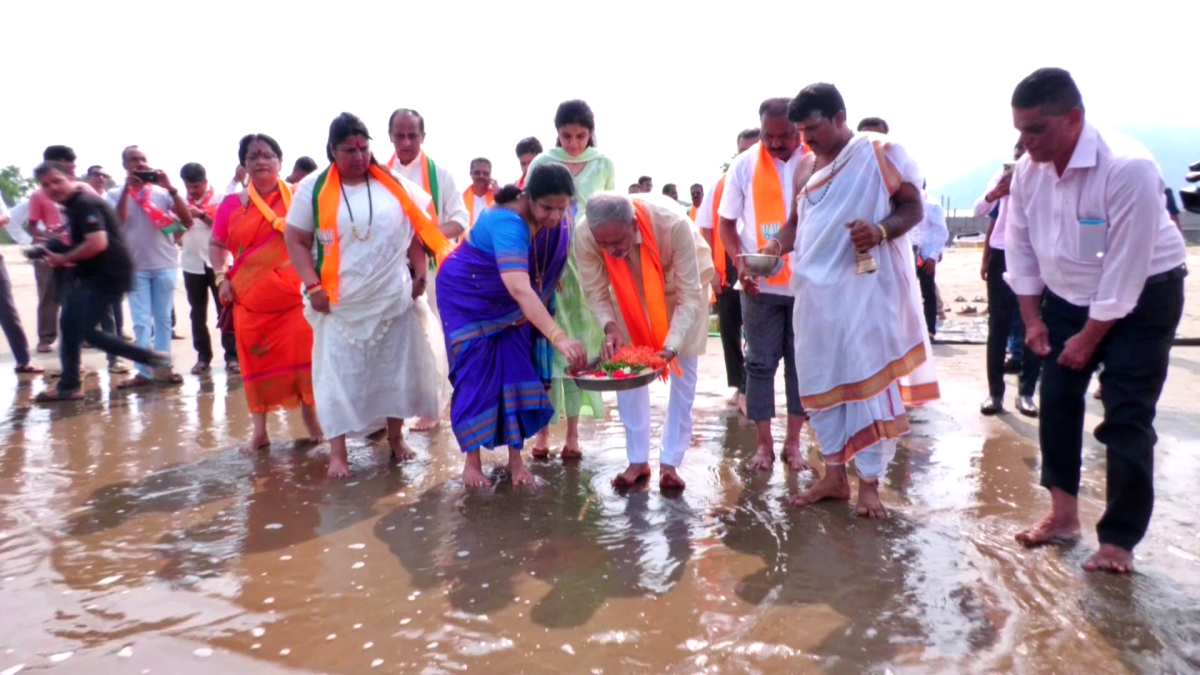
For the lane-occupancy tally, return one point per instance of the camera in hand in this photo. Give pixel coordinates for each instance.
(1190, 196)
(146, 176)
(38, 252)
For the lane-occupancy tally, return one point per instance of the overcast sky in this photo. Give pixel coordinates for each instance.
(671, 83)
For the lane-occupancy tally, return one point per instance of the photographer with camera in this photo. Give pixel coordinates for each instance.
(45, 222)
(154, 215)
(98, 270)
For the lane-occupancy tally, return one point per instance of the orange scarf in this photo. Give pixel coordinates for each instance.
(327, 196)
(469, 200)
(692, 212)
(285, 193)
(770, 209)
(718, 245)
(646, 328)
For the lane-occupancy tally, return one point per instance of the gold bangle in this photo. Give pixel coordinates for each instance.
(220, 278)
(882, 232)
(555, 334)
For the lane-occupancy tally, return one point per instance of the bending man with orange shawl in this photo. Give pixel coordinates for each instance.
(645, 270)
(862, 350)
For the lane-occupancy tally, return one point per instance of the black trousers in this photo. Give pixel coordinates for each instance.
(117, 314)
(928, 299)
(199, 287)
(1002, 307)
(1135, 355)
(85, 306)
(729, 318)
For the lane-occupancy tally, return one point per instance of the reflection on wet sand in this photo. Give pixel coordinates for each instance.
(134, 536)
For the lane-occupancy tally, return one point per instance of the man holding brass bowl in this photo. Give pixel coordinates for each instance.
(758, 190)
(644, 270)
(862, 348)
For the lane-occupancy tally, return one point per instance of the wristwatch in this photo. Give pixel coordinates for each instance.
(174, 192)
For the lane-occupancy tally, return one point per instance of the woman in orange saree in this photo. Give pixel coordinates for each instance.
(274, 340)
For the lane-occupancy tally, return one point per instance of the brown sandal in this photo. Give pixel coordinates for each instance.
(54, 396)
(135, 382)
(171, 378)
(29, 369)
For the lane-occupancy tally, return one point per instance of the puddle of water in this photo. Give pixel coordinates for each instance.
(133, 535)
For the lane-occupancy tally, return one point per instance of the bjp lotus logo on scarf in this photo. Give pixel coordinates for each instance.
(325, 237)
(771, 230)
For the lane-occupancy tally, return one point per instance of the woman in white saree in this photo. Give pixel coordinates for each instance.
(354, 234)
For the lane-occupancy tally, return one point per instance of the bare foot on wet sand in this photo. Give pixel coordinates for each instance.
(635, 473)
(473, 472)
(517, 469)
(1110, 558)
(734, 398)
(426, 424)
(339, 467)
(793, 457)
(400, 450)
(763, 459)
(1053, 529)
(256, 443)
(833, 485)
(668, 478)
(869, 504)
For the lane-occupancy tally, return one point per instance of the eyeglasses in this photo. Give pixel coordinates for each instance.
(266, 156)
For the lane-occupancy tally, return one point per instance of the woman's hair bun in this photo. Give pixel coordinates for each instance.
(508, 194)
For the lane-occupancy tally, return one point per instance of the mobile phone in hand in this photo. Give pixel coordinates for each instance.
(146, 176)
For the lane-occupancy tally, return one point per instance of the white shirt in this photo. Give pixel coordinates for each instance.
(16, 222)
(1096, 234)
(930, 235)
(480, 203)
(450, 208)
(194, 259)
(984, 207)
(737, 202)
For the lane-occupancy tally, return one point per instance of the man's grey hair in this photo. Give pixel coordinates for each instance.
(608, 208)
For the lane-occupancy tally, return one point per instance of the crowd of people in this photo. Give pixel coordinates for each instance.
(369, 292)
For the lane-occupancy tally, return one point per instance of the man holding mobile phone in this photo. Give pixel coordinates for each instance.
(153, 214)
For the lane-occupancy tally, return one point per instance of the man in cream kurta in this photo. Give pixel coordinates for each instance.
(687, 268)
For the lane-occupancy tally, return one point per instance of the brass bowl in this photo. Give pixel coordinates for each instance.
(760, 265)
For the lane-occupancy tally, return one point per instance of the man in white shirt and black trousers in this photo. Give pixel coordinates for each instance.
(1098, 268)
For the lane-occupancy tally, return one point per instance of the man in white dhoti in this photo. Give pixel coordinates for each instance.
(862, 350)
(640, 254)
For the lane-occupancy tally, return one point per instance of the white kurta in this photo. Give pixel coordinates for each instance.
(371, 361)
(450, 208)
(862, 350)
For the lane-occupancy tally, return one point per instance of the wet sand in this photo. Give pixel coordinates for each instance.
(134, 538)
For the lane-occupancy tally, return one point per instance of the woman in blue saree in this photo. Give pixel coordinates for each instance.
(496, 298)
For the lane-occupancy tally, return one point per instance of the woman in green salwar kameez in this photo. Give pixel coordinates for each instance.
(593, 172)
